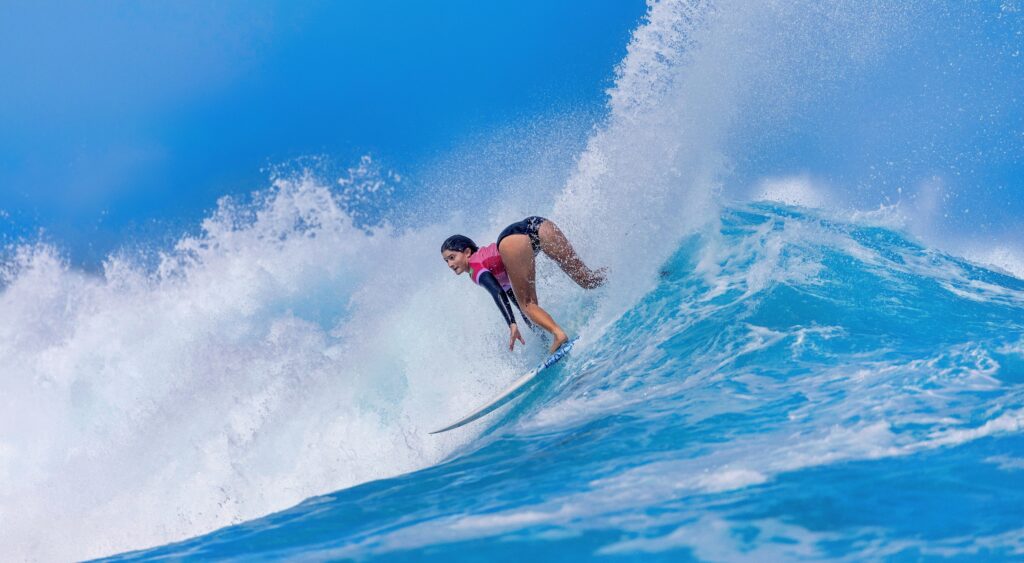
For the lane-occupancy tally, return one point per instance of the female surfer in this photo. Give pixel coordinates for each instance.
(506, 270)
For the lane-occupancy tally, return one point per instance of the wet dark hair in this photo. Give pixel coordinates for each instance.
(459, 243)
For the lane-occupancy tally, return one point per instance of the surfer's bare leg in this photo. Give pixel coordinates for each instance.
(558, 248)
(517, 255)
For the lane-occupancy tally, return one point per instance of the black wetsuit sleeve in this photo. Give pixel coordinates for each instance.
(526, 319)
(490, 283)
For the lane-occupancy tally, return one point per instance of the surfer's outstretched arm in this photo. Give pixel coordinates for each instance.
(512, 295)
(490, 283)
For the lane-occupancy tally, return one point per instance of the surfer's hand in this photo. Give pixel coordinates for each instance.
(513, 335)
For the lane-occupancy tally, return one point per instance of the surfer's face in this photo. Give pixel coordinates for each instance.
(457, 261)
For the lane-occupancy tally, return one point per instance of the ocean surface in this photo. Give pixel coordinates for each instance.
(794, 387)
(810, 345)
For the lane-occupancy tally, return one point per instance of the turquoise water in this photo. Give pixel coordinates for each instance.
(809, 345)
(794, 387)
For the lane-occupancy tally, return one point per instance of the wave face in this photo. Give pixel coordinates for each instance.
(793, 387)
(756, 381)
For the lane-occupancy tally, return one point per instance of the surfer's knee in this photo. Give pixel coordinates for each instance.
(534, 312)
(529, 303)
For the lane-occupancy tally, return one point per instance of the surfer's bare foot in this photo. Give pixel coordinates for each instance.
(560, 338)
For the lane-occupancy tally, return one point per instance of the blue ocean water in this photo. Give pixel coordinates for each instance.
(796, 387)
(809, 345)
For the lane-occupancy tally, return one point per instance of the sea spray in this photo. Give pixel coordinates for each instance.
(280, 353)
(803, 399)
(288, 349)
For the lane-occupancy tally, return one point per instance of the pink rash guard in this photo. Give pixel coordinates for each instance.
(487, 259)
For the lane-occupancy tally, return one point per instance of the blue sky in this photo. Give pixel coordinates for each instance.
(122, 121)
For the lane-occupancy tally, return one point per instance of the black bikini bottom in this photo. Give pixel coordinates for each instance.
(529, 226)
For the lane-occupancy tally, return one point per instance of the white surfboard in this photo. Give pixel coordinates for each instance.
(512, 391)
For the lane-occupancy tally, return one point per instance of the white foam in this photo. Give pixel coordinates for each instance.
(715, 539)
(728, 479)
(277, 355)
(280, 354)
(1006, 463)
(1004, 258)
(1008, 422)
